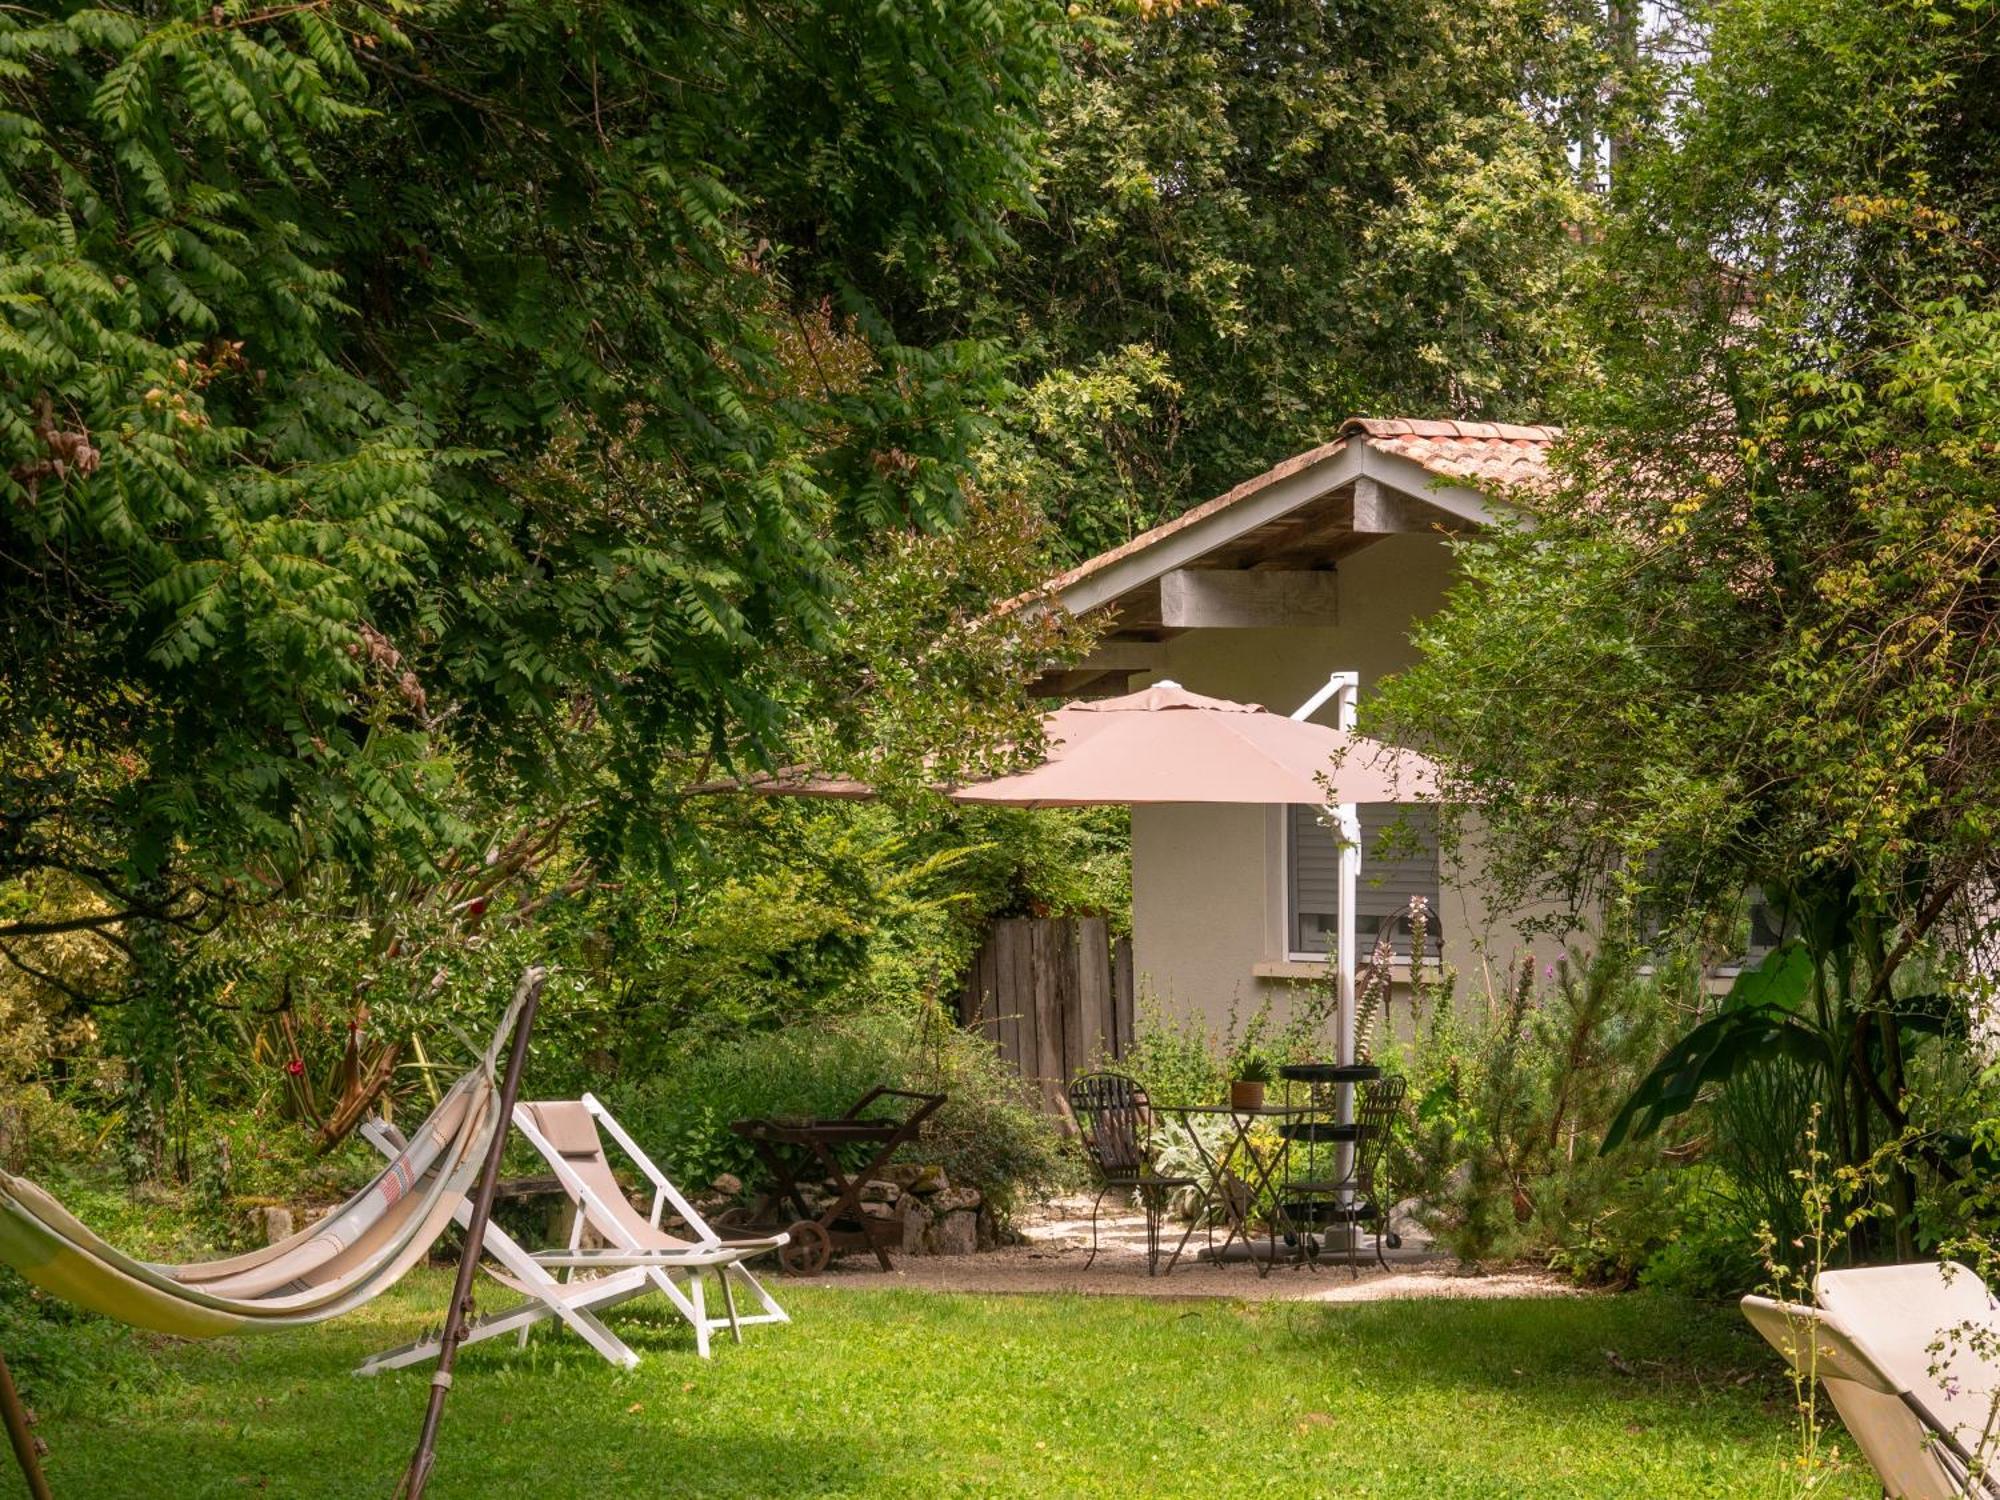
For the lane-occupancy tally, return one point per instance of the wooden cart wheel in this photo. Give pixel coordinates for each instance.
(809, 1251)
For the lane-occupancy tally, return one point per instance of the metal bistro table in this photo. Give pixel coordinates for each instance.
(1301, 1204)
(1315, 1199)
(1218, 1192)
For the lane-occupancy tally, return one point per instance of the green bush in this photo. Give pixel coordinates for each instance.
(989, 1134)
(1509, 1105)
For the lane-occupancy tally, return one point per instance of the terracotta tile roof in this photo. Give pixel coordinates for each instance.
(1479, 454)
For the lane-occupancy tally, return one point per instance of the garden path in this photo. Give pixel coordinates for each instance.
(1056, 1243)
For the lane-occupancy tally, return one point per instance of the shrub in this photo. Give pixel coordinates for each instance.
(989, 1134)
(1510, 1103)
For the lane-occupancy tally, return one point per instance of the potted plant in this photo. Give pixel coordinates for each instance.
(1246, 1089)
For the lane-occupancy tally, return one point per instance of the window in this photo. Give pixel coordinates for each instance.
(1767, 928)
(1758, 928)
(1389, 877)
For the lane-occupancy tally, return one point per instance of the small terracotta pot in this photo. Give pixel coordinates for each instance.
(1246, 1094)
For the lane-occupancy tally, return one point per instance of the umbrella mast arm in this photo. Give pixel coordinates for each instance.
(1343, 689)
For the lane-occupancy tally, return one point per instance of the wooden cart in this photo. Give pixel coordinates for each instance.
(812, 1149)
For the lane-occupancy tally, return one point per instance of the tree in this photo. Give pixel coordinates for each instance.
(432, 437)
(1260, 219)
(1746, 644)
(399, 404)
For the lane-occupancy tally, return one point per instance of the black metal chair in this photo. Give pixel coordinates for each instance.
(1374, 1117)
(1115, 1119)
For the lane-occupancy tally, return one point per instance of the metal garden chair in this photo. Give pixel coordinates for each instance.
(1115, 1121)
(1374, 1117)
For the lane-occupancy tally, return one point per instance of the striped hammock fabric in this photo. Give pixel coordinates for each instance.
(351, 1256)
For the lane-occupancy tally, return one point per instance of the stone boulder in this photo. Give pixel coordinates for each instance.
(918, 1179)
(275, 1223)
(954, 1234)
(916, 1225)
(952, 1200)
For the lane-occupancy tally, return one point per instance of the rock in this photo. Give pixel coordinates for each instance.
(918, 1179)
(954, 1234)
(880, 1192)
(727, 1185)
(988, 1237)
(276, 1223)
(951, 1200)
(879, 1210)
(916, 1223)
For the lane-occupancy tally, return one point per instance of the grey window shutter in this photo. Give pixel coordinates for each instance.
(1388, 878)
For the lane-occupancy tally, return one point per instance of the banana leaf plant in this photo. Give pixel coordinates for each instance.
(1782, 1009)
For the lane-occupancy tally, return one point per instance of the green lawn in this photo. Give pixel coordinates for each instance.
(915, 1394)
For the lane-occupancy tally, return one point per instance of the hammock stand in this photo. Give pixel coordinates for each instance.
(203, 1305)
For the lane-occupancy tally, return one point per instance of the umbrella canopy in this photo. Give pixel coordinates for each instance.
(1166, 744)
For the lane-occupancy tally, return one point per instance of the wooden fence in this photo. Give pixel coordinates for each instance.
(1055, 995)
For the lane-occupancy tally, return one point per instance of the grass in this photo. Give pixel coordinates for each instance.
(919, 1394)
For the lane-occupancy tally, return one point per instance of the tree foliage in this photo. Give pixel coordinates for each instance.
(1747, 643)
(1259, 220)
(401, 403)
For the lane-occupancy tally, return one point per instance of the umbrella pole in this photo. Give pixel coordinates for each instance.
(1347, 823)
(459, 1314)
(1347, 819)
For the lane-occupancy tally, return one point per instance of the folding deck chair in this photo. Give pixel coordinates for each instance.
(623, 1273)
(1908, 1357)
(565, 1132)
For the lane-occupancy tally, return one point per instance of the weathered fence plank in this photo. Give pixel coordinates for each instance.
(1123, 991)
(1053, 994)
(1094, 1037)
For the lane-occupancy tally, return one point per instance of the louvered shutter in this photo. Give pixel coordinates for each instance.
(1388, 881)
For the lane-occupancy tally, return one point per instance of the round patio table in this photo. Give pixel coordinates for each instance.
(1215, 1189)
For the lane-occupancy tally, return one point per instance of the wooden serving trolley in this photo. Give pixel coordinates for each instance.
(792, 1148)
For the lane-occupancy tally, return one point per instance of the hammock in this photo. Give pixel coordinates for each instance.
(351, 1256)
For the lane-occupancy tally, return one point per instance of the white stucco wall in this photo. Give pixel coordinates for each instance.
(1208, 893)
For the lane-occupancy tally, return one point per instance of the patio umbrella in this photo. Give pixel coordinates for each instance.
(1165, 744)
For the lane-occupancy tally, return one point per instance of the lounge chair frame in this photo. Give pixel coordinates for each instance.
(1929, 1462)
(630, 1270)
(662, 1266)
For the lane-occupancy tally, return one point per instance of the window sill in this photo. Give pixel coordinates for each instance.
(1314, 968)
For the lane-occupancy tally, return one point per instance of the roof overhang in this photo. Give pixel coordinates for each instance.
(1348, 463)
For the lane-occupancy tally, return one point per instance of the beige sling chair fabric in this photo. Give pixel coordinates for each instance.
(1908, 1357)
(349, 1257)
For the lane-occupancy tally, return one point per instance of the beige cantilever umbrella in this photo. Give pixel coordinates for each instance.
(1166, 744)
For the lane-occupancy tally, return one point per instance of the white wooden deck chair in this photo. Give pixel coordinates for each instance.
(1908, 1358)
(566, 1133)
(575, 1303)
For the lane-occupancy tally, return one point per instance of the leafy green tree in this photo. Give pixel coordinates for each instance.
(1262, 218)
(404, 405)
(1746, 643)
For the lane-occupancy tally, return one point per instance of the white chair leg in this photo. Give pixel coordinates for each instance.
(772, 1312)
(522, 1318)
(700, 1314)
